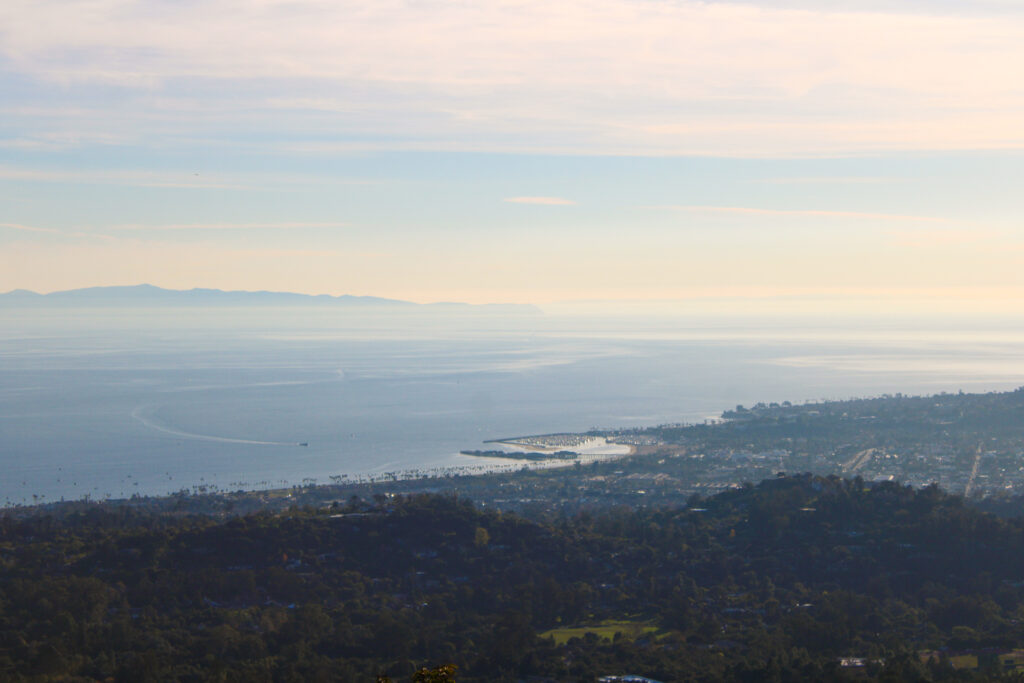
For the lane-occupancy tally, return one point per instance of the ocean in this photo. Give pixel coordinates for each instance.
(112, 403)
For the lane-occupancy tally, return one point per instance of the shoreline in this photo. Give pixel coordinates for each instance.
(583, 444)
(265, 496)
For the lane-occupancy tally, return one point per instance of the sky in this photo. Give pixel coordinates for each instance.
(776, 152)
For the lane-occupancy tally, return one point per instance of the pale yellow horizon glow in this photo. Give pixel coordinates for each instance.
(424, 278)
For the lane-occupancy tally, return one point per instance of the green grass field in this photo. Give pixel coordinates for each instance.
(605, 629)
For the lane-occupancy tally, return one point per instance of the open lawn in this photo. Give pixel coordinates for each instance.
(605, 629)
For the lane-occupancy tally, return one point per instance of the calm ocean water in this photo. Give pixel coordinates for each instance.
(110, 404)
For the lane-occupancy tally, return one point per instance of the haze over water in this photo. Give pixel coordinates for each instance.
(114, 403)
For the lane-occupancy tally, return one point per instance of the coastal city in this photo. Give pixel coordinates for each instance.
(966, 444)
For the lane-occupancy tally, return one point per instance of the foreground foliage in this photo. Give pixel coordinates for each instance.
(771, 582)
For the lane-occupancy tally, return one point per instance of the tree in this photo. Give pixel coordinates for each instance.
(442, 674)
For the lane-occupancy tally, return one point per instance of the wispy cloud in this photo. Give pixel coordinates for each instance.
(810, 213)
(917, 238)
(30, 228)
(548, 201)
(830, 180)
(129, 177)
(296, 225)
(176, 179)
(53, 231)
(600, 76)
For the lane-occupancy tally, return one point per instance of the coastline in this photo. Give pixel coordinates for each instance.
(583, 444)
(590, 449)
(213, 499)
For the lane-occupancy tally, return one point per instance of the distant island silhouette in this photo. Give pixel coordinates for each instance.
(150, 295)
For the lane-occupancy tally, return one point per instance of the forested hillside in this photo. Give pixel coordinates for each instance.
(779, 580)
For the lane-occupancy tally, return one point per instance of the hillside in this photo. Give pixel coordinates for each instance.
(777, 581)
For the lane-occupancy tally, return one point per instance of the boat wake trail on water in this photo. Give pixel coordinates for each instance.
(137, 414)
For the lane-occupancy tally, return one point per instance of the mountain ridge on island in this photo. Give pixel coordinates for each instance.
(151, 295)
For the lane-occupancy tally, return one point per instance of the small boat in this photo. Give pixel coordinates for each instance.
(304, 443)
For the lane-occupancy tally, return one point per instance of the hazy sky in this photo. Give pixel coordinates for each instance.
(529, 151)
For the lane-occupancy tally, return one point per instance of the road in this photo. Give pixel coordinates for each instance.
(859, 460)
(974, 473)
